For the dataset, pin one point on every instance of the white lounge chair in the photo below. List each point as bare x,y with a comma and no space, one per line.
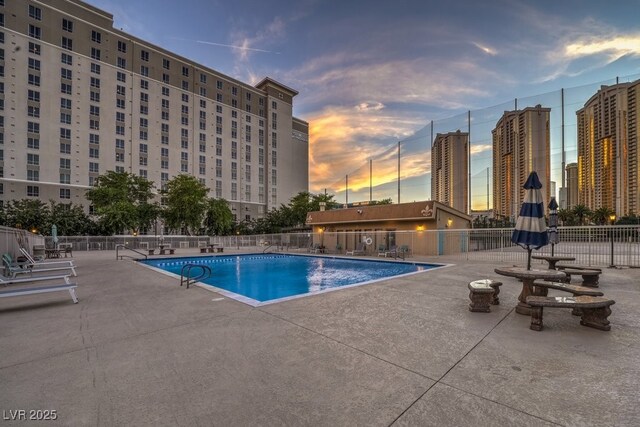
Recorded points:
35,262
359,250
71,287
14,269
9,281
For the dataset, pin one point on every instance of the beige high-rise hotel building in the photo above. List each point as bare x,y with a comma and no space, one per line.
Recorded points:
520,145
450,170
80,98
608,157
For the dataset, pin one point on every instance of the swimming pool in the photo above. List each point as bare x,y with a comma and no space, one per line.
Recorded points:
260,278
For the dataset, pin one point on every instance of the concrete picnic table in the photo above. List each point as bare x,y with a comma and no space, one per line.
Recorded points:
553,259
528,277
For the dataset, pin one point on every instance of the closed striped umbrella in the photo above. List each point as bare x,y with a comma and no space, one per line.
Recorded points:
531,229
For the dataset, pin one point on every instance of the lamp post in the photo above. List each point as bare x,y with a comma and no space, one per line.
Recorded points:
238,239
612,218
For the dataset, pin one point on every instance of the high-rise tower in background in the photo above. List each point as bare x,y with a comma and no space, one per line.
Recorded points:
572,185
450,170
82,98
520,145
608,149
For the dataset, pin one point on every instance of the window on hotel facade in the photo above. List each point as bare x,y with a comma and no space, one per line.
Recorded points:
122,46
33,191
166,64
35,32
122,63
34,64
65,193
185,71
95,68
35,12
33,111
95,54
67,25
144,55
34,48
96,37
67,43
33,143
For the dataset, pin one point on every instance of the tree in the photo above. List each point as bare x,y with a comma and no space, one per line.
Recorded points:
70,219
28,214
566,216
581,212
186,203
218,218
387,201
122,202
601,215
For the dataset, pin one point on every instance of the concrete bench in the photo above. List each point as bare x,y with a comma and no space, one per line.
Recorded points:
542,287
482,294
70,287
589,277
561,266
576,290
594,310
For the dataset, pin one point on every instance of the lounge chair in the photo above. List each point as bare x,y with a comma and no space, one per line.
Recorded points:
14,269
9,281
71,287
33,261
359,250
382,251
392,252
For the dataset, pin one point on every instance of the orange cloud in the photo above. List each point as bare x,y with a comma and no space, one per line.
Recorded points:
343,140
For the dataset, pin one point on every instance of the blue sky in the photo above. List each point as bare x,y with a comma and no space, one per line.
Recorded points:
372,73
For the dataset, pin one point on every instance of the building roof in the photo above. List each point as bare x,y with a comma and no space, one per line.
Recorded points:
426,210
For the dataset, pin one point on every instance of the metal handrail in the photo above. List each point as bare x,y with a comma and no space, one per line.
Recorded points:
120,246
271,245
206,271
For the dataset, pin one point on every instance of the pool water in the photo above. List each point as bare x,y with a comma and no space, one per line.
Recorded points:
260,278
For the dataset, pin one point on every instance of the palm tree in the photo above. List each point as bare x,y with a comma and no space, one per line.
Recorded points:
581,212
601,215
566,216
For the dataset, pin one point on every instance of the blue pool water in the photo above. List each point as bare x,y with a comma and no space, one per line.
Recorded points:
268,277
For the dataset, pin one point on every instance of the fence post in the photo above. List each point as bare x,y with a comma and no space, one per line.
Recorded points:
589,246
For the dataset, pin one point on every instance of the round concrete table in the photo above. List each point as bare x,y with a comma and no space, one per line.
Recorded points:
552,260
528,277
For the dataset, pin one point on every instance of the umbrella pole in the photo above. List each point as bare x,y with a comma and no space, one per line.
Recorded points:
552,246
529,259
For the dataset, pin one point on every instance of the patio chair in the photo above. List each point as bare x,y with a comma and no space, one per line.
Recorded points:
13,269
382,251
35,262
359,250
392,252
6,281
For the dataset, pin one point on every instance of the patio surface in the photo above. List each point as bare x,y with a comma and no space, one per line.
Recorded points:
140,350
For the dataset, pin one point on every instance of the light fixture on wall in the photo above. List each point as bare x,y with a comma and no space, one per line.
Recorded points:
449,222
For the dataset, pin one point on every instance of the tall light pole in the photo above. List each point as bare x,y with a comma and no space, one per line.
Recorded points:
612,218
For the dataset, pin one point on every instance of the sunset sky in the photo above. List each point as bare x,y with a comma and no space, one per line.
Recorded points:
372,73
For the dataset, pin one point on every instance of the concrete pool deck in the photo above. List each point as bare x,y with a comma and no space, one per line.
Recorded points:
140,350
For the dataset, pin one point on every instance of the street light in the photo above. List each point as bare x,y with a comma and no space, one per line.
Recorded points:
612,218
